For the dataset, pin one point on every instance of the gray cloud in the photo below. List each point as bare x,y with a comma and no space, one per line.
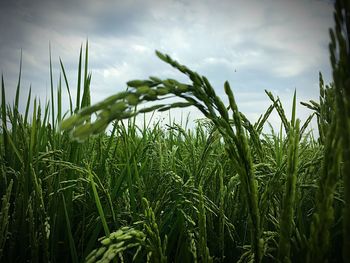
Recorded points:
256,45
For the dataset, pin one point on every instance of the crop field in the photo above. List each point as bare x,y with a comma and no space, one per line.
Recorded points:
224,191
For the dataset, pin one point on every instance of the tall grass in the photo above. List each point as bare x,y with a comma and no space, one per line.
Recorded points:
224,191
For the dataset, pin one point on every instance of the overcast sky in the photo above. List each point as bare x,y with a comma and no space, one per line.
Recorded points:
255,45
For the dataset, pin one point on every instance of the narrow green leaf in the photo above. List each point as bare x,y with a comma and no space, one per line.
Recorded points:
28,105
15,108
13,146
67,86
52,94
4,118
294,108
98,204
77,107
73,250
59,101
33,133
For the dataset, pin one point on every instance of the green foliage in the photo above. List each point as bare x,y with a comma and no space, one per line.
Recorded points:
201,95
224,191
340,61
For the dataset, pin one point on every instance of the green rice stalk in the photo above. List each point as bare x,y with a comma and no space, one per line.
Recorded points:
153,237
87,79
4,217
4,120
263,118
306,124
254,137
278,106
247,178
98,204
59,100
287,221
77,106
222,195
13,147
33,133
27,106
204,255
210,106
33,241
73,251
324,110
52,95
67,86
15,108
119,241
340,60
320,232
193,248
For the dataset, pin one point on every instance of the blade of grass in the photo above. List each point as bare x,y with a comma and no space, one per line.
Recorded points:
15,108
27,105
87,78
4,119
52,95
73,250
67,86
98,204
286,221
13,146
59,101
77,106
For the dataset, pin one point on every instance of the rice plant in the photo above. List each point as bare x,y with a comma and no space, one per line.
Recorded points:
223,191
